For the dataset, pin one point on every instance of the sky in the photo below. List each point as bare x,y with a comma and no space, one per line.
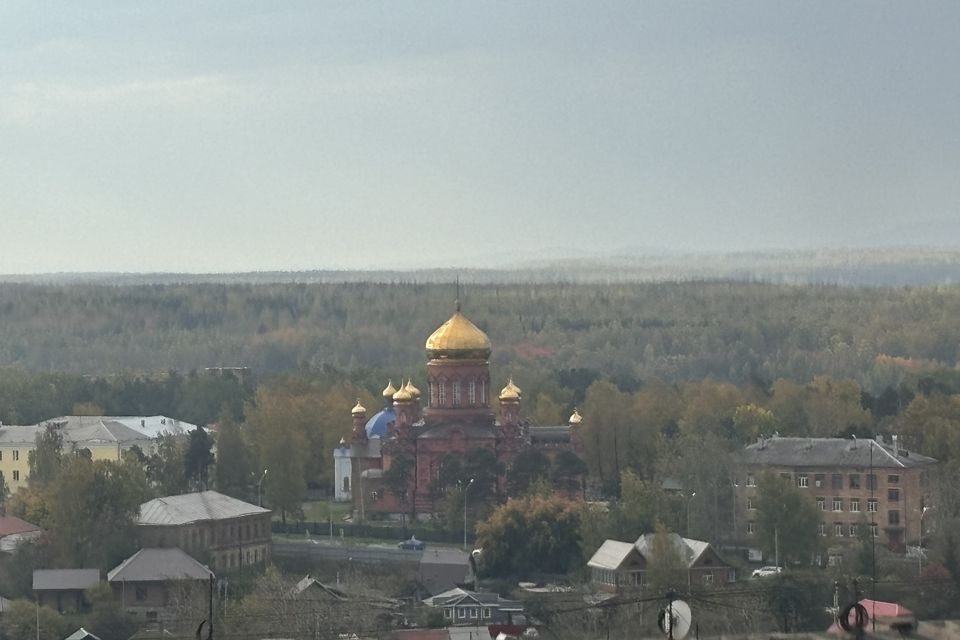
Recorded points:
186,136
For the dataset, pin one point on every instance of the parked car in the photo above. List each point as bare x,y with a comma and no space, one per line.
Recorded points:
763,572
412,544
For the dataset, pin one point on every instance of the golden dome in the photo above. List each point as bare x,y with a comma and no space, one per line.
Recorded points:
576,418
359,409
510,392
458,336
403,395
390,390
412,389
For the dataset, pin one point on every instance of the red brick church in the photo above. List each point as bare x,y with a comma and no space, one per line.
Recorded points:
454,418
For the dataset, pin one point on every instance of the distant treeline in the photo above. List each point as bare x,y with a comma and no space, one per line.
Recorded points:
628,332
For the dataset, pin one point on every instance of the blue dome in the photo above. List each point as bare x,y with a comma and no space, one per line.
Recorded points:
377,424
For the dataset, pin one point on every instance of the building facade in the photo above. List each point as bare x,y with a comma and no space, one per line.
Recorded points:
856,484
225,533
153,583
455,416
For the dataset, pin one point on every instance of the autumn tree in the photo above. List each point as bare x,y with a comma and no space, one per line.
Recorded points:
529,466
25,620
234,469
786,521
667,566
45,458
166,467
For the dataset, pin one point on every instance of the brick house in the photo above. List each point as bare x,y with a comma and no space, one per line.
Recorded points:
618,566
223,532
855,483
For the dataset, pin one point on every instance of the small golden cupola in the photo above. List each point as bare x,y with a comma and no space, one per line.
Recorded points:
575,417
389,390
458,339
359,409
510,392
403,395
412,389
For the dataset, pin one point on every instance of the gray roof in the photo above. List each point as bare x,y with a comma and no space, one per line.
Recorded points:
612,553
549,434
81,634
829,452
19,434
148,426
194,507
65,579
158,565
442,569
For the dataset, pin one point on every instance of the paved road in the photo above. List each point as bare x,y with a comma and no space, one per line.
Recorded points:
323,550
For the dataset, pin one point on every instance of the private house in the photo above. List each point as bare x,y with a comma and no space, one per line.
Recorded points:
62,589
14,532
856,483
618,566
150,583
226,533
462,607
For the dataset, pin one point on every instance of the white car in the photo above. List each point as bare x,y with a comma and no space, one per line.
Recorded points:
763,572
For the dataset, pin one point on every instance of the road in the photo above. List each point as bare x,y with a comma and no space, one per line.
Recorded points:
316,549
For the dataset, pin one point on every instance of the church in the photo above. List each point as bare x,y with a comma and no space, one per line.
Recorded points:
455,418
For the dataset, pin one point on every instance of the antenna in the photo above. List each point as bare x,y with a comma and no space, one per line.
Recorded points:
458,292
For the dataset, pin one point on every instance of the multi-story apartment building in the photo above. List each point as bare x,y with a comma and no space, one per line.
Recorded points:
225,533
16,443
854,482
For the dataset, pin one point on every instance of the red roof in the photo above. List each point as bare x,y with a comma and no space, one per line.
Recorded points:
880,609
420,634
10,525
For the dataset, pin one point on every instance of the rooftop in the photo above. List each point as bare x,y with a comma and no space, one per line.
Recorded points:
159,565
830,452
65,579
194,507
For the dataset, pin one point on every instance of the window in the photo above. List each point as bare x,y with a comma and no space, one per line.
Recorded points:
893,495
483,392
750,505
448,613
836,481
874,529
821,503
893,518
346,483
456,397
16,474
802,480
750,528
708,578
442,387
151,616
461,612
838,504
871,482
818,479
853,529
838,529
872,505
16,454
751,480
433,399
140,593
472,393
855,505
473,610
731,575
854,480
822,528
894,479
487,613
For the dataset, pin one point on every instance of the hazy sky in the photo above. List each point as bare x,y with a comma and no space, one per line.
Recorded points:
224,136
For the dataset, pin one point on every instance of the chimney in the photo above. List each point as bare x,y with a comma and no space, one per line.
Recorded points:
896,445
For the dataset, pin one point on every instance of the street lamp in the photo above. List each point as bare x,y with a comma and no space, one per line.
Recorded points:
920,545
692,496
465,489
260,489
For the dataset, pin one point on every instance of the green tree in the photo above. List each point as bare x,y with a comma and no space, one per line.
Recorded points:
635,512
531,535
398,478
786,521
529,466
20,622
45,458
234,469
796,601
568,472
166,468
198,457
666,568
106,619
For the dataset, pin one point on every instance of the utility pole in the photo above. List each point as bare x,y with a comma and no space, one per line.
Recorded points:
776,545
465,489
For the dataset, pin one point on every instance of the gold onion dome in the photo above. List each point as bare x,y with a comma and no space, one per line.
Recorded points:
390,390
403,395
359,409
458,337
576,418
510,392
412,389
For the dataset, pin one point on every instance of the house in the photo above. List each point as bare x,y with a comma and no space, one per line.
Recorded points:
856,483
81,634
149,583
224,532
620,565
14,532
311,588
62,589
442,569
462,607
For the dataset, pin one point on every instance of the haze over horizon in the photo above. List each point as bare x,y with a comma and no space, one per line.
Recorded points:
235,136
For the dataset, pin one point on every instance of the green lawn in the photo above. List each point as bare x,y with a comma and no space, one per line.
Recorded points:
320,511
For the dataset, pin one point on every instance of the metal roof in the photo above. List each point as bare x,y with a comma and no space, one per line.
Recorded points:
65,579
194,507
149,426
610,555
10,525
550,434
830,452
158,565
19,434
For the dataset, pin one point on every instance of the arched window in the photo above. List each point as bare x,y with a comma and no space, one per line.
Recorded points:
472,393
456,393
433,394
442,393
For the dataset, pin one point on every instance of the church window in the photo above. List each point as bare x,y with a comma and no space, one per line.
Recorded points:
483,392
442,393
433,394
456,394
472,393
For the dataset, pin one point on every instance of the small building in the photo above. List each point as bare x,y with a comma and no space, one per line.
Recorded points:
63,589
149,583
14,532
620,565
462,607
221,531
81,634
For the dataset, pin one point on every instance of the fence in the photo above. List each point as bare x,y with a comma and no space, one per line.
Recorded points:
391,532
